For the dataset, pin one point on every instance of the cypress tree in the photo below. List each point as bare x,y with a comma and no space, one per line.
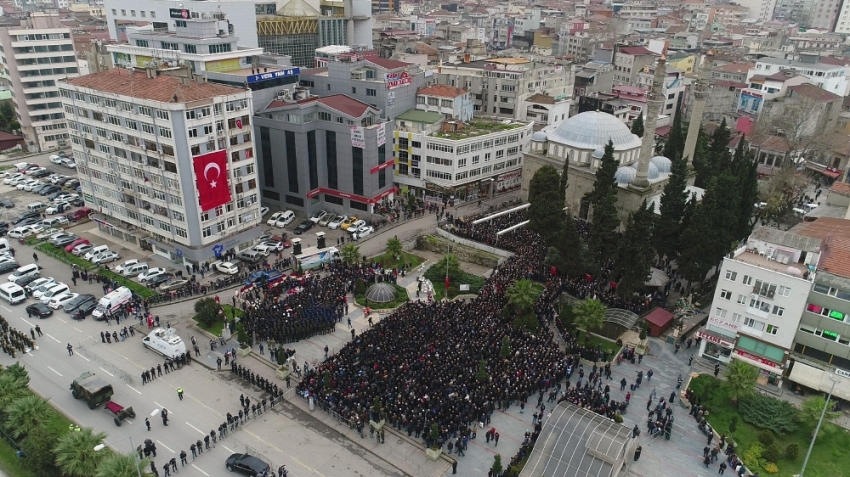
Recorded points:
675,145
673,201
604,235
637,126
635,252
546,203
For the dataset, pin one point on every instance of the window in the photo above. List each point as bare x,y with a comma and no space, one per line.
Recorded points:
720,312
784,291
730,275
142,43
220,48
760,305
330,159
291,162
737,317
748,280
357,205
726,294
190,48
357,170
754,324
324,116
772,329
371,92
353,90
778,310
312,161
742,299
268,164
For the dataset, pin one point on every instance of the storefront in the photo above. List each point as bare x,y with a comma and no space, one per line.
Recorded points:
770,372
715,346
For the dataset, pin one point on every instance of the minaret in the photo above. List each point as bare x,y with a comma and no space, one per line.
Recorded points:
700,97
653,107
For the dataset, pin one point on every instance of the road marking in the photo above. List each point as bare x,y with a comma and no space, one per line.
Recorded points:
163,445
22,318
107,372
199,470
60,319
163,407
77,329
195,428
57,372
81,356
129,421
228,449
4,307
262,440
305,466
54,339
134,389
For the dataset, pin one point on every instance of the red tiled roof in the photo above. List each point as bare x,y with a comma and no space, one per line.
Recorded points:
831,60
823,227
813,92
7,136
635,50
841,188
387,63
835,255
338,102
442,90
162,88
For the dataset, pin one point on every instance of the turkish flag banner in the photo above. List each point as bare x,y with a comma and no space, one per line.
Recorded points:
448,283
211,179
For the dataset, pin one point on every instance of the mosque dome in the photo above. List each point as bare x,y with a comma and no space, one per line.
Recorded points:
625,175
593,129
598,153
539,136
662,163
651,171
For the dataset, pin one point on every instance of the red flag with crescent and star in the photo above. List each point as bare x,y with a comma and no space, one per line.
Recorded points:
211,179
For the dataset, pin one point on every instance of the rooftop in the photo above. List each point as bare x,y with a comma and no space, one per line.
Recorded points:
417,116
823,227
162,88
479,127
835,258
636,50
770,263
386,63
840,188
813,92
541,99
442,90
338,102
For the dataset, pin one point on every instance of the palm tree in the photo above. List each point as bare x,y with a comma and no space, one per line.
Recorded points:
27,413
741,379
589,314
75,454
810,412
121,465
449,262
394,248
350,254
12,388
521,295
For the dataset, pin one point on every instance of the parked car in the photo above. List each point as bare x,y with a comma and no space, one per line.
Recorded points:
246,464
159,280
62,236
327,219
106,257
39,309
354,226
264,211
28,184
8,266
79,241
65,240
337,222
152,272
72,305
63,197
124,265
303,227
37,290
348,222
363,232
226,268
318,216
79,214
47,233
61,300
58,208
40,173
285,219
56,159
7,203
269,246
68,162
12,177
21,232
173,284
81,249
35,169
86,308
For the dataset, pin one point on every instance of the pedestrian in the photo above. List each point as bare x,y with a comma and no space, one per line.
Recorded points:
35,257
180,393
183,458
691,360
496,438
705,451
164,415
194,451
706,461
32,333
218,361
722,468
148,423
70,350
38,330
623,383
716,370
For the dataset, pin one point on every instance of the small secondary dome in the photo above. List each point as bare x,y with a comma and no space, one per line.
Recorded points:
625,175
539,136
380,293
651,171
662,163
598,153
593,129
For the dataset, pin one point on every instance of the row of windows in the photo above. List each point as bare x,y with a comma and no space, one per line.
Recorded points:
831,291
825,334
142,13
827,312
760,287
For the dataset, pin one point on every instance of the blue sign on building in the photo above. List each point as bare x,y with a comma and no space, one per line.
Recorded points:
285,73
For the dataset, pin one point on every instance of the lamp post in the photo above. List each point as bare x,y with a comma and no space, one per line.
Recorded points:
132,448
817,428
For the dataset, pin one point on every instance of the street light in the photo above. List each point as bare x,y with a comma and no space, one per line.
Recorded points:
817,428
100,447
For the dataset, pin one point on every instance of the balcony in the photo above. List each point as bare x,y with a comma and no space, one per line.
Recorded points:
796,270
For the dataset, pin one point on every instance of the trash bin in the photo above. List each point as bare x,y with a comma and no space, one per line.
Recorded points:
312,402
637,452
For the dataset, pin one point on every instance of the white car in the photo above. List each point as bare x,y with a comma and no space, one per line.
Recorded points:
56,159
273,219
264,211
269,246
18,180
13,177
106,257
23,185
60,300
55,290
58,208
261,250
337,222
363,232
65,198
82,249
317,216
59,237
56,178
124,265
32,171
152,272
47,233
227,268
44,282
356,225
21,232
69,162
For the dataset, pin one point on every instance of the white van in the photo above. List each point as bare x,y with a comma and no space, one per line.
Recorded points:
96,251
112,301
21,166
12,293
134,269
4,245
55,290
36,207
25,271
165,342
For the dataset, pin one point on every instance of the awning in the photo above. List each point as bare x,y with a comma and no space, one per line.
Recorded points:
821,380
761,364
806,375
102,222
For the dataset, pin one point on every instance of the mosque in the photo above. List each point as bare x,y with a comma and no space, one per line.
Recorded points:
581,140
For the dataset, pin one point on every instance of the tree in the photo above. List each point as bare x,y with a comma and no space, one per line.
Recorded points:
39,455
589,314
604,175
497,464
636,254
122,465
206,311
741,379
714,158
802,122
571,248
811,410
745,169
546,203
565,178
350,254
394,248
505,349
675,145
75,454
12,387
521,295
604,235
242,336
27,414
667,232
637,126
449,262
482,375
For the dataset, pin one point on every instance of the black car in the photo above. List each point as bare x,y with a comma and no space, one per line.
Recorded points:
49,189
29,221
304,226
73,183
159,280
40,173
65,241
40,310
26,215
85,309
78,202
74,304
246,465
56,194
7,203
26,280
8,266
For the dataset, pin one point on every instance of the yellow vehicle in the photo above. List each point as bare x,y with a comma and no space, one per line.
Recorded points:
347,223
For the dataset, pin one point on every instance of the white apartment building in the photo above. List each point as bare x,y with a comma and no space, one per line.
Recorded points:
441,159
136,137
760,296
36,55
828,76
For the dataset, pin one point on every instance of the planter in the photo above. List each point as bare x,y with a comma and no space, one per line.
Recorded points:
377,425
433,454
242,352
283,372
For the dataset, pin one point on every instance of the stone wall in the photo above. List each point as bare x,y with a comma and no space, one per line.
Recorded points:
462,252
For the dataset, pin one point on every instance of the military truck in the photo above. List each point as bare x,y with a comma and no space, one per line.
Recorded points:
92,389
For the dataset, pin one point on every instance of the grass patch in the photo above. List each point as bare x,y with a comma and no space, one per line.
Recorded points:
437,276
136,288
216,328
828,455
63,256
598,343
401,298
388,261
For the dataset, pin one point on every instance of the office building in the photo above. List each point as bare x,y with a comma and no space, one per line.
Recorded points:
38,52
323,153
166,162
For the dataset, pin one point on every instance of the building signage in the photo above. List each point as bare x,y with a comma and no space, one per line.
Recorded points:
284,73
715,340
382,135
508,181
382,166
345,195
179,13
757,359
723,323
358,139
842,372
400,78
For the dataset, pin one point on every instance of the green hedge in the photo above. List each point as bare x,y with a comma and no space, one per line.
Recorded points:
136,288
69,258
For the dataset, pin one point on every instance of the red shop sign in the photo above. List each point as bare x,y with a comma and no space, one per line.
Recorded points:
758,359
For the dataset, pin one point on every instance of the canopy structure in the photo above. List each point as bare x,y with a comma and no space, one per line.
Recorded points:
657,278
381,293
619,316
